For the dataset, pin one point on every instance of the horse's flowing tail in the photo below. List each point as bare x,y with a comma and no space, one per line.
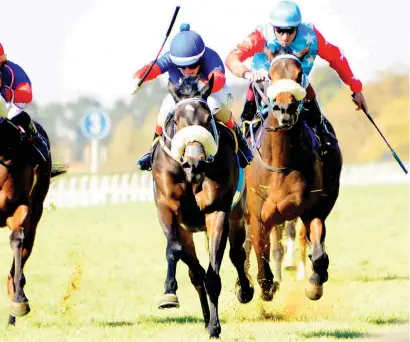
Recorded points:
58,169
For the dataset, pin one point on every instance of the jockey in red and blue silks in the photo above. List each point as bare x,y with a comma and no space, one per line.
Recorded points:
286,30
16,93
188,56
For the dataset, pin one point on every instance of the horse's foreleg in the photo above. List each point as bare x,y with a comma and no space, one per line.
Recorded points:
277,248
217,225
289,258
196,271
261,244
320,262
237,254
169,222
19,305
248,250
302,251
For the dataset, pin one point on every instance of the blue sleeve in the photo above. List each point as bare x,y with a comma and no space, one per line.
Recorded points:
20,76
164,62
212,62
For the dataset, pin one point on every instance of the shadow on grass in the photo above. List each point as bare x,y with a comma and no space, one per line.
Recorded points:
114,324
272,316
338,334
104,324
386,321
389,277
188,319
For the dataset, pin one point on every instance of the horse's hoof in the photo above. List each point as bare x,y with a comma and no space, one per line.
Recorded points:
245,296
12,321
168,301
314,292
289,267
267,296
214,332
19,309
289,264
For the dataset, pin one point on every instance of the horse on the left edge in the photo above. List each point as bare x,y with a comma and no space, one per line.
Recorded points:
24,183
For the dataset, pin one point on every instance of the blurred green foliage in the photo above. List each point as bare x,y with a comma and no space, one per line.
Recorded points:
133,122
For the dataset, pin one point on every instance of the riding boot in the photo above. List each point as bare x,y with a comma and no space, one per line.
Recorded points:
145,162
39,142
248,113
316,120
249,110
245,155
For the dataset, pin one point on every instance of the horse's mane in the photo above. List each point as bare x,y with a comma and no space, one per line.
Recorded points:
188,86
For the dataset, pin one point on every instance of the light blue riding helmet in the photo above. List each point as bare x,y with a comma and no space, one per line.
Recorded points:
187,47
285,14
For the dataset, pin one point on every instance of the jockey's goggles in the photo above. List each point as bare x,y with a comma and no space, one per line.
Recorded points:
282,31
191,67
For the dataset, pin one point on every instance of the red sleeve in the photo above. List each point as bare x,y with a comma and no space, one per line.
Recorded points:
338,62
22,93
219,80
254,43
154,73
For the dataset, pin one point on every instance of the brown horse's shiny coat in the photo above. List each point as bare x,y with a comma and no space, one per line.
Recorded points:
23,189
197,196
294,189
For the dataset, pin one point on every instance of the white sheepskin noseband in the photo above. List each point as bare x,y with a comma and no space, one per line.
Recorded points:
189,134
286,86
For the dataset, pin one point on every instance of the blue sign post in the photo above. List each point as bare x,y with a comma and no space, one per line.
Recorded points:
95,125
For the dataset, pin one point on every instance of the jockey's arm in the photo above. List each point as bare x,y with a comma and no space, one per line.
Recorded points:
213,65
338,62
21,94
254,43
219,80
160,66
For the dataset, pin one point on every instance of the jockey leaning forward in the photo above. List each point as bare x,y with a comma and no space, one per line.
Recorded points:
188,56
287,31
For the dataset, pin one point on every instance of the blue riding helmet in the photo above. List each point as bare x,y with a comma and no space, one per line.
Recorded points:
285,14
187,47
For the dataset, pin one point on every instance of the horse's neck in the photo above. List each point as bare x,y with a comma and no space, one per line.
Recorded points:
280,148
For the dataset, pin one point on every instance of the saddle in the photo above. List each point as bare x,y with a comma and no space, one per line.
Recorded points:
15,137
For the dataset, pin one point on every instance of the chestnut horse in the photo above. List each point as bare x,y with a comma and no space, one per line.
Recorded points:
290,256
195,177
286,179
23,187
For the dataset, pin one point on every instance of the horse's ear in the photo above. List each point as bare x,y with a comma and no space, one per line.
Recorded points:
302,53
207,88
173,91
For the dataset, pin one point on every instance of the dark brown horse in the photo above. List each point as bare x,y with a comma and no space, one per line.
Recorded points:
23,187
286,179
195,178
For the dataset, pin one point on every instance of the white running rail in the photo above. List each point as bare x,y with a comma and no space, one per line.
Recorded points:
95,190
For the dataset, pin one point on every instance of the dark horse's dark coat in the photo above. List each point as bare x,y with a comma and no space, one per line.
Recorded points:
196,195
23,188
